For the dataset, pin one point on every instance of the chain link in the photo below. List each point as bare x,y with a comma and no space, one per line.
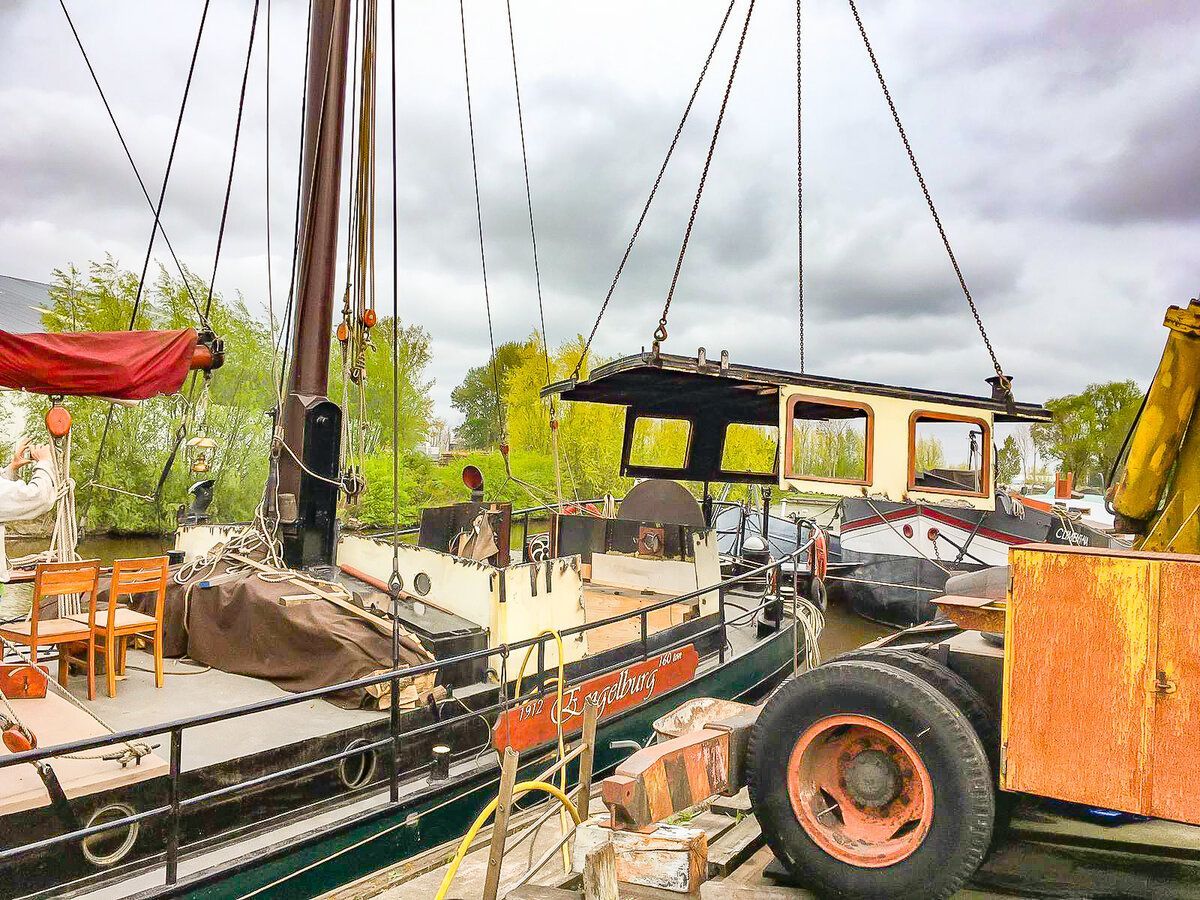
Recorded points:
1005,381
660,333
653,191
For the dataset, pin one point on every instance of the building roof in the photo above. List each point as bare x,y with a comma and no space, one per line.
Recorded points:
20,301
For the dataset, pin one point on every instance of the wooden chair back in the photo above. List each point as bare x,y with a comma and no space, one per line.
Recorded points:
64,580
132,577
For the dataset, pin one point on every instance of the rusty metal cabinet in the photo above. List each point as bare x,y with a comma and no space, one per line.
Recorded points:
1101,678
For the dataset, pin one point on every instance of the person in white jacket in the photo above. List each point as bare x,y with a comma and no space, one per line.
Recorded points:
20,499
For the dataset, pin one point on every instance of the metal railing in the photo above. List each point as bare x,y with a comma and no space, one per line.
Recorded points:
176,804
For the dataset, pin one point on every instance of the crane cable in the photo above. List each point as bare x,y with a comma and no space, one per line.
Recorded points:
1004,381
653,191
537,273
800,179
660,333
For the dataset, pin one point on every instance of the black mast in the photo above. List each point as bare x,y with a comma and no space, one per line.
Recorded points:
308,492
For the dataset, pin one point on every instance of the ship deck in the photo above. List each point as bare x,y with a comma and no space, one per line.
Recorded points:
140,704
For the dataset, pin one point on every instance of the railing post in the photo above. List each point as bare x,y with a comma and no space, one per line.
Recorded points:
741,530
721,610
541,676
394,727
645,635
176,756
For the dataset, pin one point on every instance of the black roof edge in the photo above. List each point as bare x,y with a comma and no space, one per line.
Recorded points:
1023,412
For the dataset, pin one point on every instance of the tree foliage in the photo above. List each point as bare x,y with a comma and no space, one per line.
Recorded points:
1088,428
1009,461
475,397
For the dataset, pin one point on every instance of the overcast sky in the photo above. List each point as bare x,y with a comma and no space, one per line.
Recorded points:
1057,136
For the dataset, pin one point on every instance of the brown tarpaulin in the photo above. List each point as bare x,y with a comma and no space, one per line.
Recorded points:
241,625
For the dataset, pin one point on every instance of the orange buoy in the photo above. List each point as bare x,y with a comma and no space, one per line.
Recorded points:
58,421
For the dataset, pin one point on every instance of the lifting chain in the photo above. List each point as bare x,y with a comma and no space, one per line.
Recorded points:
660,333
1004,382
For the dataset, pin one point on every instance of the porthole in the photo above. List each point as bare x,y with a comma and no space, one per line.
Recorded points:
422,584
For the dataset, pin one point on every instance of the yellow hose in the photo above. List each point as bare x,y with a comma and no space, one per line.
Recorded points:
523,788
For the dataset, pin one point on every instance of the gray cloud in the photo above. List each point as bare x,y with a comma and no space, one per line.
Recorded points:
1055,137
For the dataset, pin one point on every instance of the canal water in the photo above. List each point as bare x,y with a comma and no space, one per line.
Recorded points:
843,629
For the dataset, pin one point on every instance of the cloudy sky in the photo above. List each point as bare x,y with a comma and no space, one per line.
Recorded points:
1058,137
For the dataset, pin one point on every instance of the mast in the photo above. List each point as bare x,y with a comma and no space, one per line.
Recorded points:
311,422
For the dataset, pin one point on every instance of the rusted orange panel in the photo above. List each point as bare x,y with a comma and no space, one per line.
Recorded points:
1077,662
1175,769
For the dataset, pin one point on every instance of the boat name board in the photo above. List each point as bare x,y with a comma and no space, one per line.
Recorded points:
535,721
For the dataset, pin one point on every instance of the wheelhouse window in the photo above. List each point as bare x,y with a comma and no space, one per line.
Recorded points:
749,449
829,440
949,454
660,443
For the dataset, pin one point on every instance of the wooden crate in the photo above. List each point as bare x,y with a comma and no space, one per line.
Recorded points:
1101,678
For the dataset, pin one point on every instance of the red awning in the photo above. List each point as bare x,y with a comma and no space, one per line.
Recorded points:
124,365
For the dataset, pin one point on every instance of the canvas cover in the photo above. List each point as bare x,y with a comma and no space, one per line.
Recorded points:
123,365
242,624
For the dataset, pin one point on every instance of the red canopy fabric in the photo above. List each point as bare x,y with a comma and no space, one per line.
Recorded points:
124,365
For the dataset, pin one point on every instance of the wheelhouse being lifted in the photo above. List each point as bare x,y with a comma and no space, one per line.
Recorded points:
912,472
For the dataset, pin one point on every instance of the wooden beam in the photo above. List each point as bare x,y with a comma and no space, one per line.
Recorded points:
508,777
600,874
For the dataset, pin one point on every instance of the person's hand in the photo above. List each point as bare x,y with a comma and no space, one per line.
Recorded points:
21,457
40,453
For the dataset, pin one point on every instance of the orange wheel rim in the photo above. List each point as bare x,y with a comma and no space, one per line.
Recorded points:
860,790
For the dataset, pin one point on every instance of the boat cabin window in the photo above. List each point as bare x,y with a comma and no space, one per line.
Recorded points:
660,443
949,454
829,440
750,449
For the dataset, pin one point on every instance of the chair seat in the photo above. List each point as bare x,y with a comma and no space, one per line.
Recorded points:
59,629
125,618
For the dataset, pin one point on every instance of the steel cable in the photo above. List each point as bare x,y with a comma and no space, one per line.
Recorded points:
660,333
653,190
1005,381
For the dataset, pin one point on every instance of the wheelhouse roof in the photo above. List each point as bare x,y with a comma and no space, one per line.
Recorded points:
679,385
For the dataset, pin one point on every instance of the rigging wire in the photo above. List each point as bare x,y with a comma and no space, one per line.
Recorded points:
285,324
537,273
267,192
487,302
154,229
653,191
128,153
800,178
394,584
237,133
660,333
1004,380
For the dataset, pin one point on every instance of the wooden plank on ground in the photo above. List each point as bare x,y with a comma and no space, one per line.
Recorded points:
732,806
734,847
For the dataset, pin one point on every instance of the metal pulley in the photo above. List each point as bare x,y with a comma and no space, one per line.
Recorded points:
353,483
58,418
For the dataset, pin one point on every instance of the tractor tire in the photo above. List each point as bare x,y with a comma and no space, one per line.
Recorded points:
964,697
870,785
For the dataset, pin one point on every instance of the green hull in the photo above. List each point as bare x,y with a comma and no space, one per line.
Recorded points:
424,819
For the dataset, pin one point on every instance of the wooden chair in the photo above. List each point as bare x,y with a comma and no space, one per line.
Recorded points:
60,580
114,626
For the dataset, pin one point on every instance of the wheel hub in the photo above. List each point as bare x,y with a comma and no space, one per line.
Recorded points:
873,778
860,790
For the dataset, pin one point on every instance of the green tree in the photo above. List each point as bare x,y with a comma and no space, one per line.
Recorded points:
1088,428
475,397
143,444
1008,461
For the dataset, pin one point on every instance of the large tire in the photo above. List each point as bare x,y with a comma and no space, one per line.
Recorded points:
869,784
952,685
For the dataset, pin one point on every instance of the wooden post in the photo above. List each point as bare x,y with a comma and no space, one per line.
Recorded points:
600,874
583,798
508,777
